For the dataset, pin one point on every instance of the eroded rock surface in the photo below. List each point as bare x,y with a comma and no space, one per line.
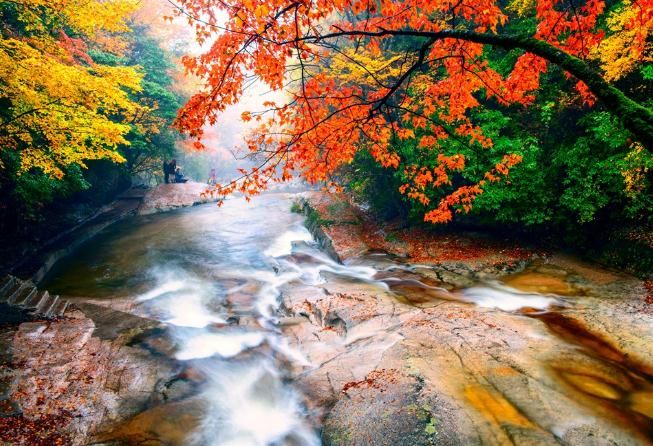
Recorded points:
406,367
166,197
426,353
70,378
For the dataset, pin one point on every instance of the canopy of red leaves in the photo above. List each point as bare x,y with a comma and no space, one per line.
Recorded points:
289,45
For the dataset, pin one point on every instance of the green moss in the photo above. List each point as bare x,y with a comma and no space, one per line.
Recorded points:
336,208
431,428
424,414
314,219
337,436
391,238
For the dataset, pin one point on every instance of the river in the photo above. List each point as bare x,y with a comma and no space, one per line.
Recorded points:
215,277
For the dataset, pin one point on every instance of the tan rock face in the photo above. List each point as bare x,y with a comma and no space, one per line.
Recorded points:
165,197
390,368
74,383
169,424
406,360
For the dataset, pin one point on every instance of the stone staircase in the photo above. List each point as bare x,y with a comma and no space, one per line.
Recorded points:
24,295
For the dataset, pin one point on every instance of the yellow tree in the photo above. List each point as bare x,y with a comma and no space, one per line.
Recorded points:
59,107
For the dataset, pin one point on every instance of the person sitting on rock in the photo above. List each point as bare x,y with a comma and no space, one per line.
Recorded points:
179,177
170,169
212,181
172,166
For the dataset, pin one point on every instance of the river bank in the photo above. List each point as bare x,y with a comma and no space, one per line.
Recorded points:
34,259
67,376
224,325
146,302
460,349
63,379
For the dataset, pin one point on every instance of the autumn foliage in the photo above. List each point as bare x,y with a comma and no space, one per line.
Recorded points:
363,75
89,90
61,103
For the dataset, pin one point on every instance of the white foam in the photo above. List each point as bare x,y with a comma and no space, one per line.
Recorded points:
188,310
224,344
280,345
181,302
507,299
168,287
282,245
311,273
253,407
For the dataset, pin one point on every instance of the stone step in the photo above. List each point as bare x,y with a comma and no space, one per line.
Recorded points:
43,302
46,303
12,291
60,308
6,283
25,294
33,301
47,311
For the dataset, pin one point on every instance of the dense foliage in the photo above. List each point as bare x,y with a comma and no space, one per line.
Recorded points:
87,103
447,99
529,114
580,169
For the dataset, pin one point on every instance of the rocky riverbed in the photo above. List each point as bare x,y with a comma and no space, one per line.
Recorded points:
457,351
207,326
65,379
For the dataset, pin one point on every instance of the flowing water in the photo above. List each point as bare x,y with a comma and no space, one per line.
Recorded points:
214,276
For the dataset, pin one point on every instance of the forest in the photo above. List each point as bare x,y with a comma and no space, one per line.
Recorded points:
88,98
525,116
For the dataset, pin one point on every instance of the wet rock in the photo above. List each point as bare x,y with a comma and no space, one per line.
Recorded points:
166,197
592,386
111,324
487,370
381,410
63,369
177,388
642,402
408,366
167,424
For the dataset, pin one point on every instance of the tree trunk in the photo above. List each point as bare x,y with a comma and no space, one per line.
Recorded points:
636,118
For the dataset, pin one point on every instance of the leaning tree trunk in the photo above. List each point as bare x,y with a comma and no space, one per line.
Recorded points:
636,118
